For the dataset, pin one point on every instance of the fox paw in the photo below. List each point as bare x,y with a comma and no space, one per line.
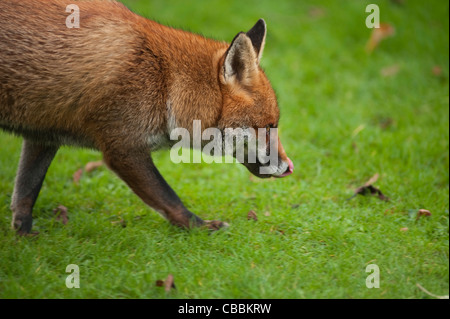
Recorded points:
22,225
215,224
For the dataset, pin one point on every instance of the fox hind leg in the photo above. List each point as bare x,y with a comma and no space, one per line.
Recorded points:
33,165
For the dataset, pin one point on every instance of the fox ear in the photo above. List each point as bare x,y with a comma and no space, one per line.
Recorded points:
241,60
243,56
258,36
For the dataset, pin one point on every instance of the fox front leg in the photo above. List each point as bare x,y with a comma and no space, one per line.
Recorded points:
137,169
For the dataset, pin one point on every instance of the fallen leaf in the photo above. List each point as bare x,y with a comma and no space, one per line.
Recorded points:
430,294
390,70
355,147
372,190
372,180
90,166
316,12
385,122
369,189
423,212
77,176
61,214
120,222
169,284
437,70
378,34
252,215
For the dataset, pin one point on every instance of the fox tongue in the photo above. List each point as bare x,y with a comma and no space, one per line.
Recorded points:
291,165
290,169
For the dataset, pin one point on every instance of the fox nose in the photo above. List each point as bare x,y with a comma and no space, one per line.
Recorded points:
290,168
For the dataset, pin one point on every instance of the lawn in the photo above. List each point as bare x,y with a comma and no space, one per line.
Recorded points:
345,116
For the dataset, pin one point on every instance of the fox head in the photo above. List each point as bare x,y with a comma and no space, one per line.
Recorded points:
249,103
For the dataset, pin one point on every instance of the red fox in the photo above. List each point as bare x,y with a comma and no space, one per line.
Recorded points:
119,83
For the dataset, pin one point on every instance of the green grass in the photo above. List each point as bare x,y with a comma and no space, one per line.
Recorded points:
342,122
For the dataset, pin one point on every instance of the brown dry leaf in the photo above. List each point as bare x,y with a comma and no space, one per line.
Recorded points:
390,70
372,190
169,284
120,222
423,212
252,215
355,147
77,176
369,189
385,122
378,34
372,180
316,12
90,166
61,214
437,70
